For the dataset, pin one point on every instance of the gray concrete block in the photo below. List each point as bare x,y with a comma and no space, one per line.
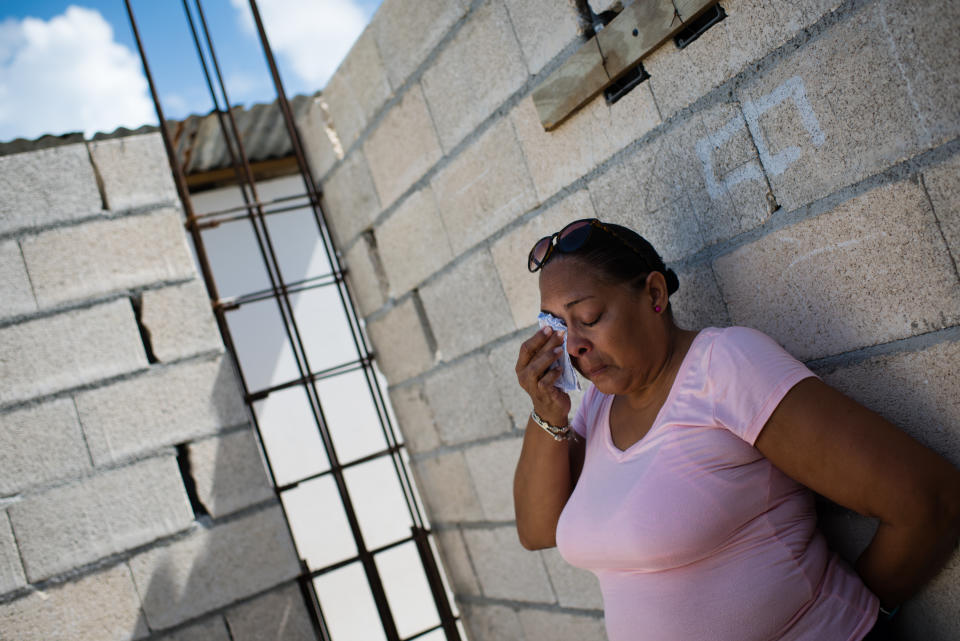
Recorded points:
102,606
11,568
406,31
503,363
211,629
698,303
590,136
484,188
320,141
932,613
400,341
47,186
816,131
445,486
540,625
15,289
76,524
917,391
134,170
160,408
40,443
413,242
357,89
505,569
365,276
943,186
575,588
229,472
492,622
456,562
474,74
54,353
492,466
350,200
415,418
214,567
180,321
280,615
872,270
107,256
510,252
543,29
402,147
466,306
465,401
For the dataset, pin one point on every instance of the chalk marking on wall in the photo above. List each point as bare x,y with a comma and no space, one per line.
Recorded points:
834,248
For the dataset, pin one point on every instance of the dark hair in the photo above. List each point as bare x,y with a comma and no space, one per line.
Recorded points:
622,256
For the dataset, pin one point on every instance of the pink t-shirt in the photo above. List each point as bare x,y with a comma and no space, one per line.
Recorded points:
692,533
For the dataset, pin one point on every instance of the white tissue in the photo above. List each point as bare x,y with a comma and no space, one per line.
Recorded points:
568,380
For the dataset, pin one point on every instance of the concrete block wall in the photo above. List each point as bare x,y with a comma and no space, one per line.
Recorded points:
798,165
115,395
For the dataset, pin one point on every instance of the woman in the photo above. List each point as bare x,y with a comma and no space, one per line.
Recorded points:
682,481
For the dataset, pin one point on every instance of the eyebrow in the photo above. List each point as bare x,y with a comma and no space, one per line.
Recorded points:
579,300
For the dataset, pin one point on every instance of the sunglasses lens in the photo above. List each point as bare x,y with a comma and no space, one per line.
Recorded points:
538,253
573,236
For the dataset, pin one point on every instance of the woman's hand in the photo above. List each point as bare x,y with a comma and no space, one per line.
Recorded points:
536,356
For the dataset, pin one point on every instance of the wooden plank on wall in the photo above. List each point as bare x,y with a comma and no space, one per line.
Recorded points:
627,39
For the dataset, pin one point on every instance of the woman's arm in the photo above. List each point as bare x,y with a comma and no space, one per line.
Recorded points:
857,459
546,471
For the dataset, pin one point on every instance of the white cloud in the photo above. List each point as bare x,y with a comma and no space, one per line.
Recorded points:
311,36
68,74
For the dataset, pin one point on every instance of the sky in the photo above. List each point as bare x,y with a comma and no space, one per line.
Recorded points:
74,66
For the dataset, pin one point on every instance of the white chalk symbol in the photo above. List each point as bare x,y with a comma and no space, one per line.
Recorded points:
775,164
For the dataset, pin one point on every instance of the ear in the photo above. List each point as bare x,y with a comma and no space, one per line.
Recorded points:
656,292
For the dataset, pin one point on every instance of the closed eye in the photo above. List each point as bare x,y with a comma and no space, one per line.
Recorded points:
593,322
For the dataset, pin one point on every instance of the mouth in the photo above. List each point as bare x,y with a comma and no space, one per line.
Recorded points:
590,371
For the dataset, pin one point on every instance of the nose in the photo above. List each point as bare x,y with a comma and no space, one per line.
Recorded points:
577,345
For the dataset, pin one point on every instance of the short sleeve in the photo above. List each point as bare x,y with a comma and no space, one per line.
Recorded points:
750,374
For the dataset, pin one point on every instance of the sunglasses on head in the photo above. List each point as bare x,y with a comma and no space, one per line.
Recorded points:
569,239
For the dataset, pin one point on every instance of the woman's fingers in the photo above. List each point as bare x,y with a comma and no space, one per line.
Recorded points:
531,366
532,346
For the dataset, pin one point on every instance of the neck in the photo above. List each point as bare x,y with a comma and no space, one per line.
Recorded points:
676,342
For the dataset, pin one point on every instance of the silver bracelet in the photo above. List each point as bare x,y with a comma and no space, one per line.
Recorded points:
558,433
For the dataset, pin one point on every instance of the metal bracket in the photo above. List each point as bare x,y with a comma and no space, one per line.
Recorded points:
698,27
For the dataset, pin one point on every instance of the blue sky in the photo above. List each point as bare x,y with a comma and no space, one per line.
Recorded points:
73,66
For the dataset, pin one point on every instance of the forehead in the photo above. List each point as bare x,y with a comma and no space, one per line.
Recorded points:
568,279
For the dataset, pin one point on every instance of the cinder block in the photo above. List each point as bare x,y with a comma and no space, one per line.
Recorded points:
15,289
40,443
134,170
402,147
241,558
503,364
917,391
102,606
465,401
541,625
445,486
492,622
575,588
318,136
932,613
753,29
873,270
817,131
11,569
47,186
160,408
543,29
559,157
416,421
510,253
357,89
107,256
413,242
505,569
456,562
211,629
943,185
466,306
365,276
76,524
179,321
229,472
484,188
492,466
57,352
401,344
698,303
474,74
280,615
349,197
406,31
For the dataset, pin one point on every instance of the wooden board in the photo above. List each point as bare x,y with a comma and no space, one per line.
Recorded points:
614,50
